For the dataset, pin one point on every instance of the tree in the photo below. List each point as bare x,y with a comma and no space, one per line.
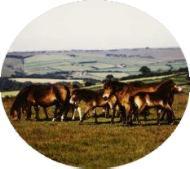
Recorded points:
88,83
109,78
145,70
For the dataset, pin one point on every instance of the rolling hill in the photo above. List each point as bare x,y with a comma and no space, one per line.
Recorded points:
95,64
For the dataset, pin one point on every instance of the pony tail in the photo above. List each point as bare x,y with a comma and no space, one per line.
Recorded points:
68,94
13,108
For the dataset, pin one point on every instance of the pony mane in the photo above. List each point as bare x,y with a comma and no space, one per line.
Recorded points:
165,86
116,85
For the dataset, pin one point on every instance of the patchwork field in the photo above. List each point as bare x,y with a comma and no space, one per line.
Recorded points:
99,145
94,64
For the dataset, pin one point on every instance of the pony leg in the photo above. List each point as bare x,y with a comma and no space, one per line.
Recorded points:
139,111
137,117
171,117
123,115
64,111
55,112
128,114
80,113
145,114
28,113
61,114
159,111
113,115
112,107
170,114
84,115
163,114
95,116
45,111
120,116
74,113
37,112
129,110
106,110
117,111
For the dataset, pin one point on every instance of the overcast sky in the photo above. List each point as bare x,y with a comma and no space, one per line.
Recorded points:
93,25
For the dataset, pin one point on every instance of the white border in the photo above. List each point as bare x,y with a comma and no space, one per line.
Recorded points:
15,15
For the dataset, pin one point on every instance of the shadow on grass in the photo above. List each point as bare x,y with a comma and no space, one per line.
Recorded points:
148,122
154,123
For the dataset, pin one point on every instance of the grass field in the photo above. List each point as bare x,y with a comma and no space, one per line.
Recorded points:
99,145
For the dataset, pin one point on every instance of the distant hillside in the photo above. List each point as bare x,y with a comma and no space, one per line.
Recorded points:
95,64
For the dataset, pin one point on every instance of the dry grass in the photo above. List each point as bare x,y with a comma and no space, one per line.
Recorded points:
93,146
96,145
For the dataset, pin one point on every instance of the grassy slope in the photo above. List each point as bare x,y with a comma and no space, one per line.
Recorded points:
93,146
97,146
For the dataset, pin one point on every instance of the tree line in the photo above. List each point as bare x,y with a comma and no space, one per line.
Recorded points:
10,85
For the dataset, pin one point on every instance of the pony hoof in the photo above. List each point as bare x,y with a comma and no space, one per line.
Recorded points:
124,124
129,124
28,119
62,119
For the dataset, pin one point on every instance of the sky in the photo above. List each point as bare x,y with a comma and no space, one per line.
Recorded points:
93,25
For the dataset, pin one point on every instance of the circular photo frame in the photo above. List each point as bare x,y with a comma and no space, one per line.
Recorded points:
95,84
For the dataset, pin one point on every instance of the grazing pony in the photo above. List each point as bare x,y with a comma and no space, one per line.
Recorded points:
44,95
92,99
19,105
124,93
162,98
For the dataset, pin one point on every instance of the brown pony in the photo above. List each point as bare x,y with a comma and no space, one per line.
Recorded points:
124,93
19,105
162,98
92,99
44,95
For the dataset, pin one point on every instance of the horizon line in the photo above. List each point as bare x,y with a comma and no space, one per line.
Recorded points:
81,49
